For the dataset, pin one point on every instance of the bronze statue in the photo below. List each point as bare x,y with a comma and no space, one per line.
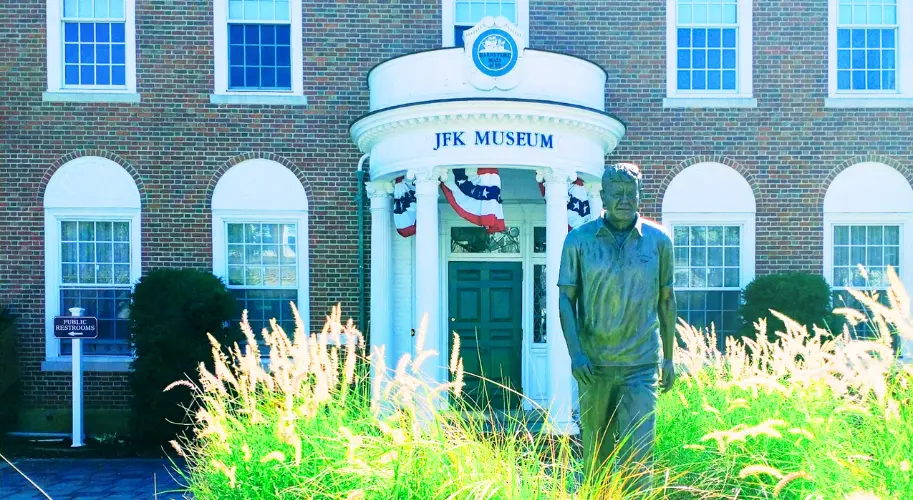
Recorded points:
618,314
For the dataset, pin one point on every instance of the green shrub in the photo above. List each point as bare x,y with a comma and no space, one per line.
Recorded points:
172,310
10,391
803,297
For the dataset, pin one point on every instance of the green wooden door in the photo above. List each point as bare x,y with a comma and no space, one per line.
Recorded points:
485,311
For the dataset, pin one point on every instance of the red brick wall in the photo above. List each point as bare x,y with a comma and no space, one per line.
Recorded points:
177,144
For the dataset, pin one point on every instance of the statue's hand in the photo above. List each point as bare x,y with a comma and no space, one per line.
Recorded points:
582,368
668,374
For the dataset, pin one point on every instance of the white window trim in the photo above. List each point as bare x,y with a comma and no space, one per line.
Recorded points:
746,220
57,92
54,361
744,98
904,220
448,19
220,220
221,94
903,97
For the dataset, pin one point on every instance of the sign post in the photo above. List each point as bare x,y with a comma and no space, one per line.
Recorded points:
76,327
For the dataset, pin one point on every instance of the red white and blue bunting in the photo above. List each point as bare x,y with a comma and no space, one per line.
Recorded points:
404,206
578,204
475,194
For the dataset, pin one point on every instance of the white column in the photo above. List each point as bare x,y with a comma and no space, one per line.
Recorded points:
427,272
594,192
381,330
559,361
79,434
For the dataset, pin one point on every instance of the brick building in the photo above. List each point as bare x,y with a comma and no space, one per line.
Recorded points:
226,135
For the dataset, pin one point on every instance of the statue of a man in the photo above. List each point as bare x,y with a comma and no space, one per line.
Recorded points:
618,314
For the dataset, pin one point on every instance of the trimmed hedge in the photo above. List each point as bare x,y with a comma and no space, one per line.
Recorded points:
10,389
804,297
172,310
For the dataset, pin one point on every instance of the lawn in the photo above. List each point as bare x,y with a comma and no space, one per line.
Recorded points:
809,416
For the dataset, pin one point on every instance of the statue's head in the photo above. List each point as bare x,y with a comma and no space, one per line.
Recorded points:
621,185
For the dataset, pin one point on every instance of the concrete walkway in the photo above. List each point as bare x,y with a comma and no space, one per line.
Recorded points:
95,479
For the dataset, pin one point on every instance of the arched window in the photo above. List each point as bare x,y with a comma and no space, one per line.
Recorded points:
868,219
709,209
92,255
260,241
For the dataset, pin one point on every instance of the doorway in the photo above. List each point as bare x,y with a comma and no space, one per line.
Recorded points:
485,312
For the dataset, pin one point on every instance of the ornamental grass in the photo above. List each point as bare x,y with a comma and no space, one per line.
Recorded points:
809,415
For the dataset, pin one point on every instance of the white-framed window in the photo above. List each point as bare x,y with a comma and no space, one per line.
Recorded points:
91,50
868,219
875,246
714,261
709,209
260,243
709,53
258,51
92,258
460,15
868,40
262,265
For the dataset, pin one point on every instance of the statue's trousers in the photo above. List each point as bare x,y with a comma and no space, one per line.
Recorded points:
619,407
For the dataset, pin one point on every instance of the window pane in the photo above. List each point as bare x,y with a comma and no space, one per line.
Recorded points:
121,274
85,9
235,275
477,240
715,256
701,252
68,231
684,14
539,309
110,305
681,235
263,305
104,252
101,9
70,8
117,9
259,57
873,246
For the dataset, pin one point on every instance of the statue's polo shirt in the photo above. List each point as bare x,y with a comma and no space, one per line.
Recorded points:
618,290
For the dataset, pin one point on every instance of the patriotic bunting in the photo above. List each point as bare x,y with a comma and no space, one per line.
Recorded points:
578,204
404,205
476,196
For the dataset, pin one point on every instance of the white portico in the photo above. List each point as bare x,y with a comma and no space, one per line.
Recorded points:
505,118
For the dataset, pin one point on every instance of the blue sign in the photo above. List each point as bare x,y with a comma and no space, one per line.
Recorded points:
517,138
75,327
495,52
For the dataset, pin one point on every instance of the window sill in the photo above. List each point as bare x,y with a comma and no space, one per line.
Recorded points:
868,102
267,99
710,102
107,364
82,96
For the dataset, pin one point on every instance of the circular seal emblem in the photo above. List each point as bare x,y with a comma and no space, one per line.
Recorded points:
495,52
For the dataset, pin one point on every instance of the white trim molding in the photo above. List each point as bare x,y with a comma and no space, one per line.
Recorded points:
714,194
58,91
221,93
742,96
262,191
448,21
870,193
902,96
87,188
